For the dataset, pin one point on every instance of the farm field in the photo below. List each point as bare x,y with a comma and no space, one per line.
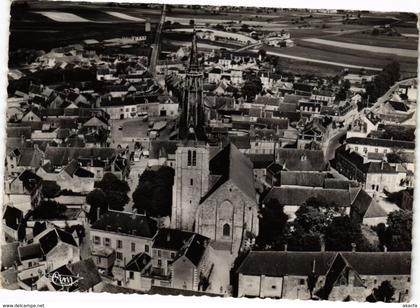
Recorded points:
412,53
379,40
359,58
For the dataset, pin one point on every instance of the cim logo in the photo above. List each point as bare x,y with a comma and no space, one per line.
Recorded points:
64,280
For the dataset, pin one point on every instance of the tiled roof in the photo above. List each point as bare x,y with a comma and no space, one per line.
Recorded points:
382,142
285,263
126,223
138,263
233,166
301,160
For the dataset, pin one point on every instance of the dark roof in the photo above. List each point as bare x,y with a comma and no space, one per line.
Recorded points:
297,195
284,263
379,263
171,239
162,148
87,270
13,217
399,106
30,251
138,263
9,254
357,161
183,292
302,87
261,161
241,142
232,166
301,160
274,123
64,271
18,132
62,156
196,248
302,178
29,179
382,142
49,240
126,223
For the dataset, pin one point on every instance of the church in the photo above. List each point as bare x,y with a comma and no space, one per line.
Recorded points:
213,193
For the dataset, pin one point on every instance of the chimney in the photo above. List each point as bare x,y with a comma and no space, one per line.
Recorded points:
353,247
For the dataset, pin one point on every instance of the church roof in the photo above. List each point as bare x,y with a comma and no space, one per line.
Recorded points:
232,166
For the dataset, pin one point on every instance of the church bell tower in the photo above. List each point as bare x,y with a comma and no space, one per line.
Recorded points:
192,155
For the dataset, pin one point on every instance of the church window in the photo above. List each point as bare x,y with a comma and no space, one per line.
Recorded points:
194,158
226,230
189,158
191,182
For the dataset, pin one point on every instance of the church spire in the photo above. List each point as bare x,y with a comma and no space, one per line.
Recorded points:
192,119
194,52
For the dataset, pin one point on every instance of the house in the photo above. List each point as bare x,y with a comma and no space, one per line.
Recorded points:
85,271
374,176
95,160
13,224
291,197
192,264
104,258
365,210
365,146
301,160
58,247
72,177
128,234
326,97
23,191
30,255
363,125
339,275
162,152
135,271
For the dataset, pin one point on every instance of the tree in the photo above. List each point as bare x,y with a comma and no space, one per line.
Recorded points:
341,233
115,190
49,210
252,87
97,200
50,189
400,224
154,192
274,229
110,182
308,226
383,293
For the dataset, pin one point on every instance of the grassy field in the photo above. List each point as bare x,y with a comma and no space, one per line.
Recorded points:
378,40
346,56
408,65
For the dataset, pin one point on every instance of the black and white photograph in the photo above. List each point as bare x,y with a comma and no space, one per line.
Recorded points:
211,151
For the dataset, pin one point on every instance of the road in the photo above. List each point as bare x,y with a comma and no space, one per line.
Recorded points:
333,144
156,44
